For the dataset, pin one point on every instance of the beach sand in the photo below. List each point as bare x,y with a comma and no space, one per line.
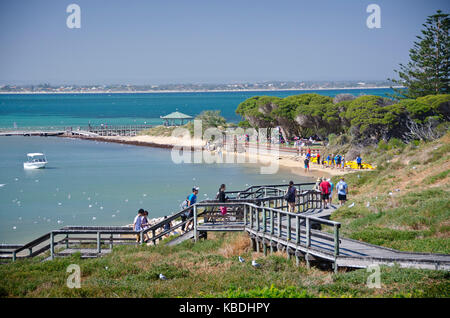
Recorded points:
291,162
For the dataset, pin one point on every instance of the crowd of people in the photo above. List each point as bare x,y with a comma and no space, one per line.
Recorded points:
326,187
333,161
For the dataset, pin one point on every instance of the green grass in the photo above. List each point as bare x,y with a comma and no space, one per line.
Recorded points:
207,269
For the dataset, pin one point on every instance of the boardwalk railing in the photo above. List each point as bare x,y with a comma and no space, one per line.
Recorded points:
69,236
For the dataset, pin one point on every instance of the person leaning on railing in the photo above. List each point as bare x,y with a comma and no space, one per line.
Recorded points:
291,194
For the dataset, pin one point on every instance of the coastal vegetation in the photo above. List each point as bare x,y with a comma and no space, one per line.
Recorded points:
405,203
365,119
209,268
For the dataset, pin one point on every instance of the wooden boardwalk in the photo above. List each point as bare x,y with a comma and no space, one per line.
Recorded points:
258,210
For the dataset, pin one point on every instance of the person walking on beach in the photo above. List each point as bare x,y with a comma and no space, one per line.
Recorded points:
191,201
291,194
137,224
325,191
328,160
359,162
342,189
318,158
306,164
221,197
343,163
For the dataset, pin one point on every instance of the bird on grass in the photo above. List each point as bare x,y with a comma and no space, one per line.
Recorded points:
254,264
162,277
241,259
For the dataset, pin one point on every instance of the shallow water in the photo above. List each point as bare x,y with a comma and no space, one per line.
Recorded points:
94,183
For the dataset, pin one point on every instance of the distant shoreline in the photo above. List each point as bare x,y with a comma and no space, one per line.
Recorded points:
199,91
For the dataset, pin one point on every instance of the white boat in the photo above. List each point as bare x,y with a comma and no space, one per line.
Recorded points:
35,161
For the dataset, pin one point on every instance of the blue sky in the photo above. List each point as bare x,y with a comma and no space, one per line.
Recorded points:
164,41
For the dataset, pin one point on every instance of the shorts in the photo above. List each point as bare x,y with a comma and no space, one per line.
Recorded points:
191,213
325,196
342,197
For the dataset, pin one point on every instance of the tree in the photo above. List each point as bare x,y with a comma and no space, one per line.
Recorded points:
427,72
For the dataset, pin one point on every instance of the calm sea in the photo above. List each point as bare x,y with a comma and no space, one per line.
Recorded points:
89,183
46,110
92,183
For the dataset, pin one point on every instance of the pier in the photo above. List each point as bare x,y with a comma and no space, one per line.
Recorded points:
261,212
84,131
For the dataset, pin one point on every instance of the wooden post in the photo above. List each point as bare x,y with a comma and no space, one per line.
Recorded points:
265,248
257,219
141,237
288,227
336,246
264,219
14,256
271,222
245,215
67,240
308,232
297,229
52,246
279,224
111,241
99,247
251,216
195,224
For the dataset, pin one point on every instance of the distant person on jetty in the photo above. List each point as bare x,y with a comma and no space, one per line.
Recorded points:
191,201
221,197
359,162
291,194
342,189
325,191
137,224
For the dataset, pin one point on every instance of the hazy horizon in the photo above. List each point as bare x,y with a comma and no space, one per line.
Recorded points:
206,42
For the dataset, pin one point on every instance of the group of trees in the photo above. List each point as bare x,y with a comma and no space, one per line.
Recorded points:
367,119
418,110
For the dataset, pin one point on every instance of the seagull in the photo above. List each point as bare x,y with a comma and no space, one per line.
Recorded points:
352,205
241,259
254,264
162,277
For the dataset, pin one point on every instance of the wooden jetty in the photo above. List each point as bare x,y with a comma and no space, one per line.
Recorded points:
83,131
260,211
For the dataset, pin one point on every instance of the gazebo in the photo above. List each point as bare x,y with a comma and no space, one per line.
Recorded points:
169,120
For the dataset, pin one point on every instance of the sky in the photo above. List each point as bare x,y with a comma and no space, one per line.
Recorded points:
194,41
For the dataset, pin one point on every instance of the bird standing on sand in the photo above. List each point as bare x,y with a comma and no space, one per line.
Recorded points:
162,277
241,259
254,264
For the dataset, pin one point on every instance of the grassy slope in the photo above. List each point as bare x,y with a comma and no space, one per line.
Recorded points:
416,218
405,203
208,269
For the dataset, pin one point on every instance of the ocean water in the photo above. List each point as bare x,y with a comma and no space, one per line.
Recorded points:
46,110
95,183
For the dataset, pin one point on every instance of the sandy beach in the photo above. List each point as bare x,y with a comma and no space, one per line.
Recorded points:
291,162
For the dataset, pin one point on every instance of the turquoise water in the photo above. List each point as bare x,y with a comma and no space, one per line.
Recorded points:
124,109
109,182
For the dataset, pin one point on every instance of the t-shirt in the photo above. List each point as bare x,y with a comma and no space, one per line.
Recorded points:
358,160
192,198
331,186
325,187
138,223
341,187
291,194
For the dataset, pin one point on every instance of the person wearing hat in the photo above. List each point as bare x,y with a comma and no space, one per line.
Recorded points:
342,189
330,197
192,198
